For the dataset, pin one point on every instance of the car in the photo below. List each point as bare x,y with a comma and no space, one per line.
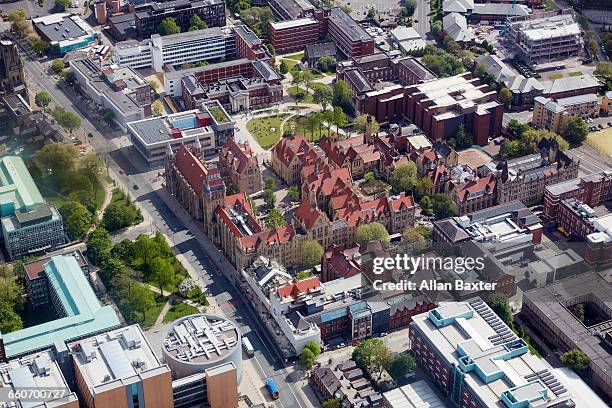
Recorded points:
383,334
135,187
590,120
90,134
341,345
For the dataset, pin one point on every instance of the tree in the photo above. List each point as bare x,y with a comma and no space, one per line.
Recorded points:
426,205
76,218
442,206
39,45
93,167
275,219
339,118
311,252
323,96
332,403
59,158
269,183
271,49
294,193
196,23
140,299
98,244
442,63
158,108
463,139
414,239
498,302
403,178
62,5
575,359
108,116
603,69
574,129
162,272
516,128
372,355
42,100
111,268
361,122
326,63
369,177
118,215
58,65
269,198
10,321
374,231
168,26
372,13
342,97
307,359
67,120
422,187
578,311
436,27
124,250
314,347
401,365
19,21
511,148
11,292
410,6
283,67
505,96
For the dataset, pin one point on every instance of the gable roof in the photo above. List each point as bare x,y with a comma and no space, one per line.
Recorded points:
297,288
191,168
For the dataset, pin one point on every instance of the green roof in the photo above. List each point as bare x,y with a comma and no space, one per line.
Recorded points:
85,315
17,188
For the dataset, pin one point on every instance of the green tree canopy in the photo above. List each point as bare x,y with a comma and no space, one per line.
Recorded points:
374,231
42,99
294,193
314,347
326,63
62,5
59,158
505,96
119,215
162,272
76,218
311,252
307,359
98,244
361,122
140,299
283,68
372,355
323,95
168,26
332,403
269,197
124,250
442,206
575,359
196,23
574,129
499,303
275,219
10,321
58,64
403,178
401,365
342,97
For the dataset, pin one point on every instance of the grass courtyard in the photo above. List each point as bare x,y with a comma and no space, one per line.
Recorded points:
601,141
267,130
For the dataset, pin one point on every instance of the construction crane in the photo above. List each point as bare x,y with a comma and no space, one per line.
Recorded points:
502,33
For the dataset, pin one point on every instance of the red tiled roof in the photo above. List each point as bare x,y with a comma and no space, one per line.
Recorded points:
307,215
342,261
398,203
329,181
299,287
287,148
475,186
191,168
438,173
278,235
238,155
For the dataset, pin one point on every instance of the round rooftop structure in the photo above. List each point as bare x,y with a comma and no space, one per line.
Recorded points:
198,342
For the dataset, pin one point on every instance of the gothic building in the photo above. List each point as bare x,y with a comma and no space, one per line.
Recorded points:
12,78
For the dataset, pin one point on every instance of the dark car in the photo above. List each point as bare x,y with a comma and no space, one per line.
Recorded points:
135,187
90,134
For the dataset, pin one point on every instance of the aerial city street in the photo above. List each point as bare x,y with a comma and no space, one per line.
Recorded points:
305,203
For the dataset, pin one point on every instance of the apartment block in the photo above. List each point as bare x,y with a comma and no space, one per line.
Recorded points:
29,224
549,114
148,16
461,347
119,369
545,37
350,38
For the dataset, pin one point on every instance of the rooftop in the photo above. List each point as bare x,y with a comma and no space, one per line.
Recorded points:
31,372
493,361
546,27
349,26
201,338
83,312
415,395
62,26
574,100
570,84
456,91
575,183
167,128
17,189
300,22
114,356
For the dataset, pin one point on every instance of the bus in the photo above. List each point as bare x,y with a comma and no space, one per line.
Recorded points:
248,347
272,388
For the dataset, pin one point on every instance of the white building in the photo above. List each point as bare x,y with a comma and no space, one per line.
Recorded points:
176,49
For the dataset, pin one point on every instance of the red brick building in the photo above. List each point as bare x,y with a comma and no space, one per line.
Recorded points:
294,35
349,36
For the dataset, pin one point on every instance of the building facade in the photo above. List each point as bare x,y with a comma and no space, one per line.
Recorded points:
240,166
294,35
549,114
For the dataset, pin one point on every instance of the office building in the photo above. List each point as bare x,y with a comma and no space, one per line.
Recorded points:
119,89
118,368
477,361
591,190
215,387
201,341
550,310
549,114
29,224
155,138
64,32
78,312
291,9
545,37
148,16
294,35
350,38
176,49
33,372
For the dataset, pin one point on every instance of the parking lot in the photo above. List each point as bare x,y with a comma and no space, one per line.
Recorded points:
360,7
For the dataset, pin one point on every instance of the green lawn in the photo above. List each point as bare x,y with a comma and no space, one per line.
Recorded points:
297,56
307,96
153,312
601,140
552,77
52,196
550,5
301,126
576,73
290,63
266,130
179,310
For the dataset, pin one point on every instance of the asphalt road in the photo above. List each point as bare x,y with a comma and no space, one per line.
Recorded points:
422,25
181,230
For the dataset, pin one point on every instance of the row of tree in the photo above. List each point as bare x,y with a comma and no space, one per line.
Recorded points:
11,298
524,139
169,26
21,26
372,356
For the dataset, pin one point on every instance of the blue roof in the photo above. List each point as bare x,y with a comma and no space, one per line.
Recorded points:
85,314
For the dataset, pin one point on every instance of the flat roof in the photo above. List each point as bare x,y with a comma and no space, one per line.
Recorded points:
415,395
348,26
547,27
84,313
572,100
114,356
201,338
38,370
18,192
300,22
492,358
570,84
62,26
159,129
454,90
